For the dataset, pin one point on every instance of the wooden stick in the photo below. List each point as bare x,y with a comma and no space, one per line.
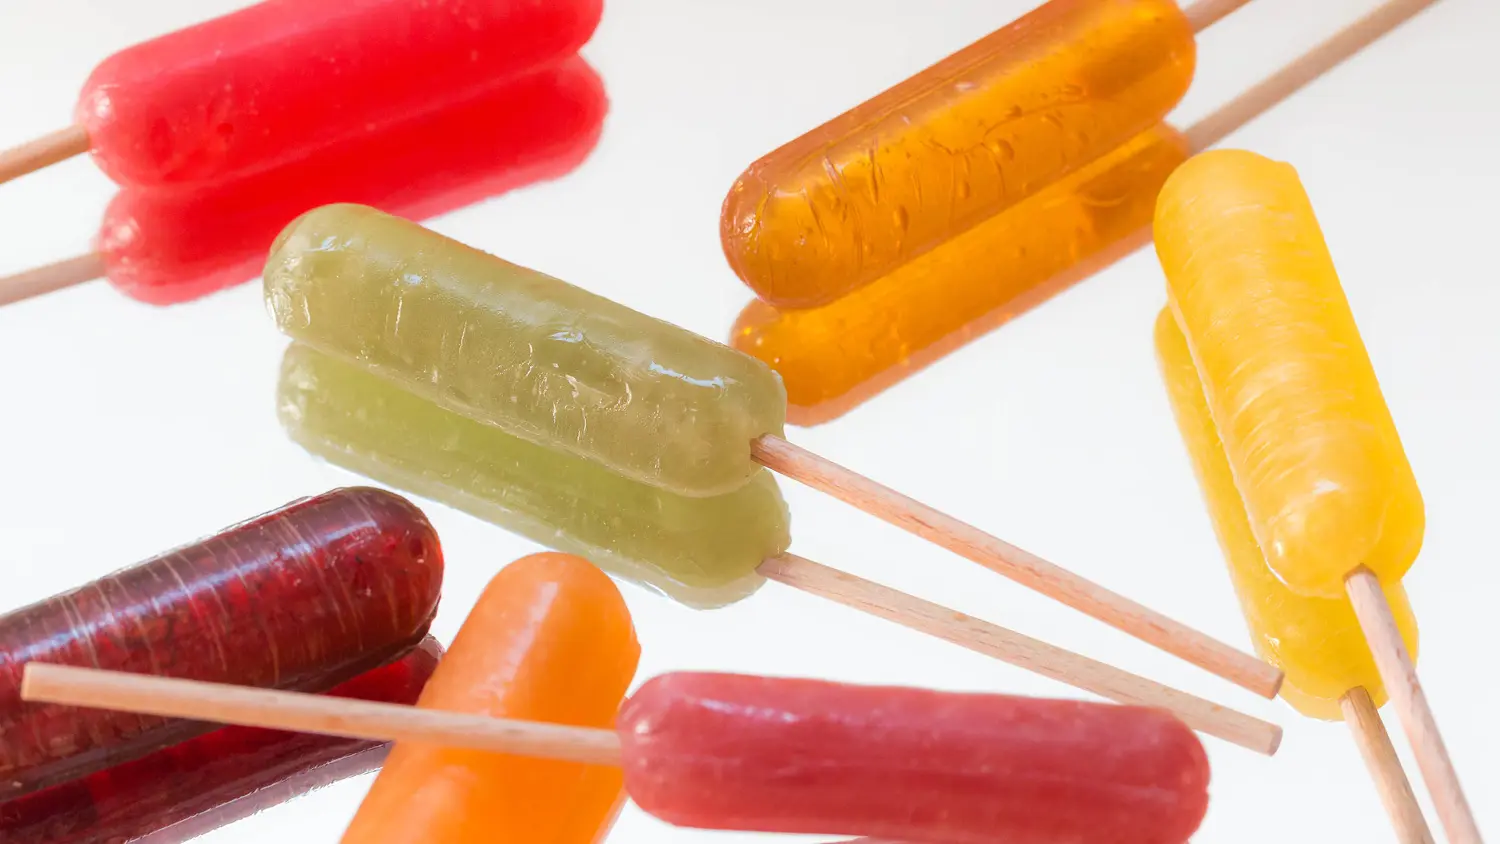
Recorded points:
43,152
14,288
1380,758
1399,675
1021,566
1301,72
309,713
1008,646
1206,13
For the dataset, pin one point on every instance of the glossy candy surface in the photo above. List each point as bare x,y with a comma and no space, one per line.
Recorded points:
193,788
949,148
1314,452
303,598
721,751
835,357
165,249
532,355
701,551
281,79
550,639
1316,641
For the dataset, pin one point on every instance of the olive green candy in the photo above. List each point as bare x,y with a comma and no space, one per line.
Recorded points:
700,551
520,350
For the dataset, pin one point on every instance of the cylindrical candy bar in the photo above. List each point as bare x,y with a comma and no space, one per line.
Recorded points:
721,751
193,788
282,79
170,248
837,356
511,347
1311,443
958,143
701,551
303,598
1316,641
550,639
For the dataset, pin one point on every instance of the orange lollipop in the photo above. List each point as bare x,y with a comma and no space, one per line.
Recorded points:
550,639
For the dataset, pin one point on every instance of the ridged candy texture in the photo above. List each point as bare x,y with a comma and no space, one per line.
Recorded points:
835,357
302,598
958,143
283,79
724,751
514,348
701,551
1312,446
1316,641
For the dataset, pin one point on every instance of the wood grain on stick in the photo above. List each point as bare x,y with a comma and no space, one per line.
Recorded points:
1025,568
1399,674
1205,13
1303,71
25,285
1375,748
309,713
1008,646
43,152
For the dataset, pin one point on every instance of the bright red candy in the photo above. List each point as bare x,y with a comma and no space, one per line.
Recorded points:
303,598
279,80
723,751
195,787
165,249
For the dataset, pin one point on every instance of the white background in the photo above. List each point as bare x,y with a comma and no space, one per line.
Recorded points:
127,429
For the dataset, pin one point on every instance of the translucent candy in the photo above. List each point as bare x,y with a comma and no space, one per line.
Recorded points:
190,789
171,247
523,351
303,598
1316,641
835,357
724,751
958,143
1311,443
701,551
281,79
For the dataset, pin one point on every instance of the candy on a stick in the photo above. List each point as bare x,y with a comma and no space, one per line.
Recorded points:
165,249
836,357
852,200
561,367
1315,640
193,788
305,598
722,751
533,355
550,639
280,80
701,551
761,754
1330,672
1315,456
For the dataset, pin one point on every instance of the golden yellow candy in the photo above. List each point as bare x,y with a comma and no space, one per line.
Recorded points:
1316,641
1311,443
852,200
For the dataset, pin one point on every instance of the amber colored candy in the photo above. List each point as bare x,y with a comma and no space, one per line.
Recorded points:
1314,451
954,145
836,357
1317,642
550,639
